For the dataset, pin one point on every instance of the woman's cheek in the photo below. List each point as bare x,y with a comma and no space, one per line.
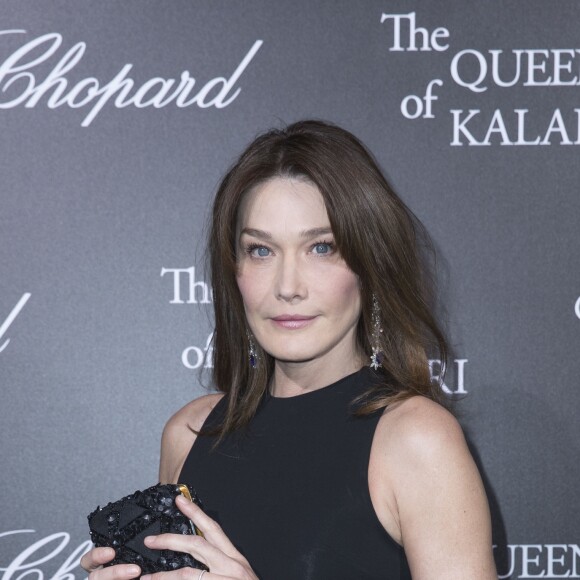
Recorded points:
338,281
252,286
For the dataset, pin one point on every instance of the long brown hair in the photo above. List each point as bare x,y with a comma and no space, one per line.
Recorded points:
376,234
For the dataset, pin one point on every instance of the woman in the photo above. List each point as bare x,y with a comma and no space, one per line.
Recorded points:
326,454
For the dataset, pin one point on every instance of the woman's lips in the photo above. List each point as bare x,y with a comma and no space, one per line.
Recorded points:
293,322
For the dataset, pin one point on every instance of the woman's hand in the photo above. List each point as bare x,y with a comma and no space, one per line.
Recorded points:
215,550
93,561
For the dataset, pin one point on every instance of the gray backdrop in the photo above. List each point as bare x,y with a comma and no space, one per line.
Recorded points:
472,109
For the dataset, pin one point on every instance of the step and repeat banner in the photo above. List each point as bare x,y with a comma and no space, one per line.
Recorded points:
117,120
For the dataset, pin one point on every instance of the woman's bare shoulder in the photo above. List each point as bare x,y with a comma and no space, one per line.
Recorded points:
425,473
179,435
414,440
419,425
410,437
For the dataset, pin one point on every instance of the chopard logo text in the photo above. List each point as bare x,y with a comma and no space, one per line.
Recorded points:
20,86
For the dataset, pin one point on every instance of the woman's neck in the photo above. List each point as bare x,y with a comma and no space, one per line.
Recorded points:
295,378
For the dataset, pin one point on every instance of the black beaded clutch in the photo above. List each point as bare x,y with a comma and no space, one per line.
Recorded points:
123,524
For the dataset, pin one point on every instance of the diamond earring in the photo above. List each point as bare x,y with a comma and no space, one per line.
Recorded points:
253,355
376,335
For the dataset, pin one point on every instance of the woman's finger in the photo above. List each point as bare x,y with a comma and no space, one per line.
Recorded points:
96,557
210,528
197,546
117,572
203,551
93,561
185,574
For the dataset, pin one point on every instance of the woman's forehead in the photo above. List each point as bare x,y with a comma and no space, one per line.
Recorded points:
282,203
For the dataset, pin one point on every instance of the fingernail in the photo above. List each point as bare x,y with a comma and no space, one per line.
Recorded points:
149,540
133,570
180,499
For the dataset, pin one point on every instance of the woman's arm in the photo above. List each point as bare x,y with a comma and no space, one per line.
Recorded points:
426,475
178,436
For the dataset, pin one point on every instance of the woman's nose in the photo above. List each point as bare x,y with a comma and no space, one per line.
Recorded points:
290,285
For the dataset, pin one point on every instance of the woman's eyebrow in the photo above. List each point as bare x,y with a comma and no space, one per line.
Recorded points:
256,233
315,232
263,235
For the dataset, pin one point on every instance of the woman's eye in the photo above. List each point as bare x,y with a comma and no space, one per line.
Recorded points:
323,248
259,251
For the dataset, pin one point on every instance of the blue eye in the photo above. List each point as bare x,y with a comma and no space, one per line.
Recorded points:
258,251
322,248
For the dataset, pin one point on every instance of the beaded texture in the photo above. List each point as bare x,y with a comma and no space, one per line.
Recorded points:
123,524
377,330
252,352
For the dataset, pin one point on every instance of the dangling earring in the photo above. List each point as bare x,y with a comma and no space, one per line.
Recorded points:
252,351
376,322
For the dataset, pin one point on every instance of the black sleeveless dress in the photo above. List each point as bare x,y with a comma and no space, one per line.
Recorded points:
291,492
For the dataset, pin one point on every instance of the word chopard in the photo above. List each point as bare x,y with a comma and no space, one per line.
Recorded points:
19,86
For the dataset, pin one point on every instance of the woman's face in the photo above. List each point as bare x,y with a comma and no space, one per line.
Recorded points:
302,302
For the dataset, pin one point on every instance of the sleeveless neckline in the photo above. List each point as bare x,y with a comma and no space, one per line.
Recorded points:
309,395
